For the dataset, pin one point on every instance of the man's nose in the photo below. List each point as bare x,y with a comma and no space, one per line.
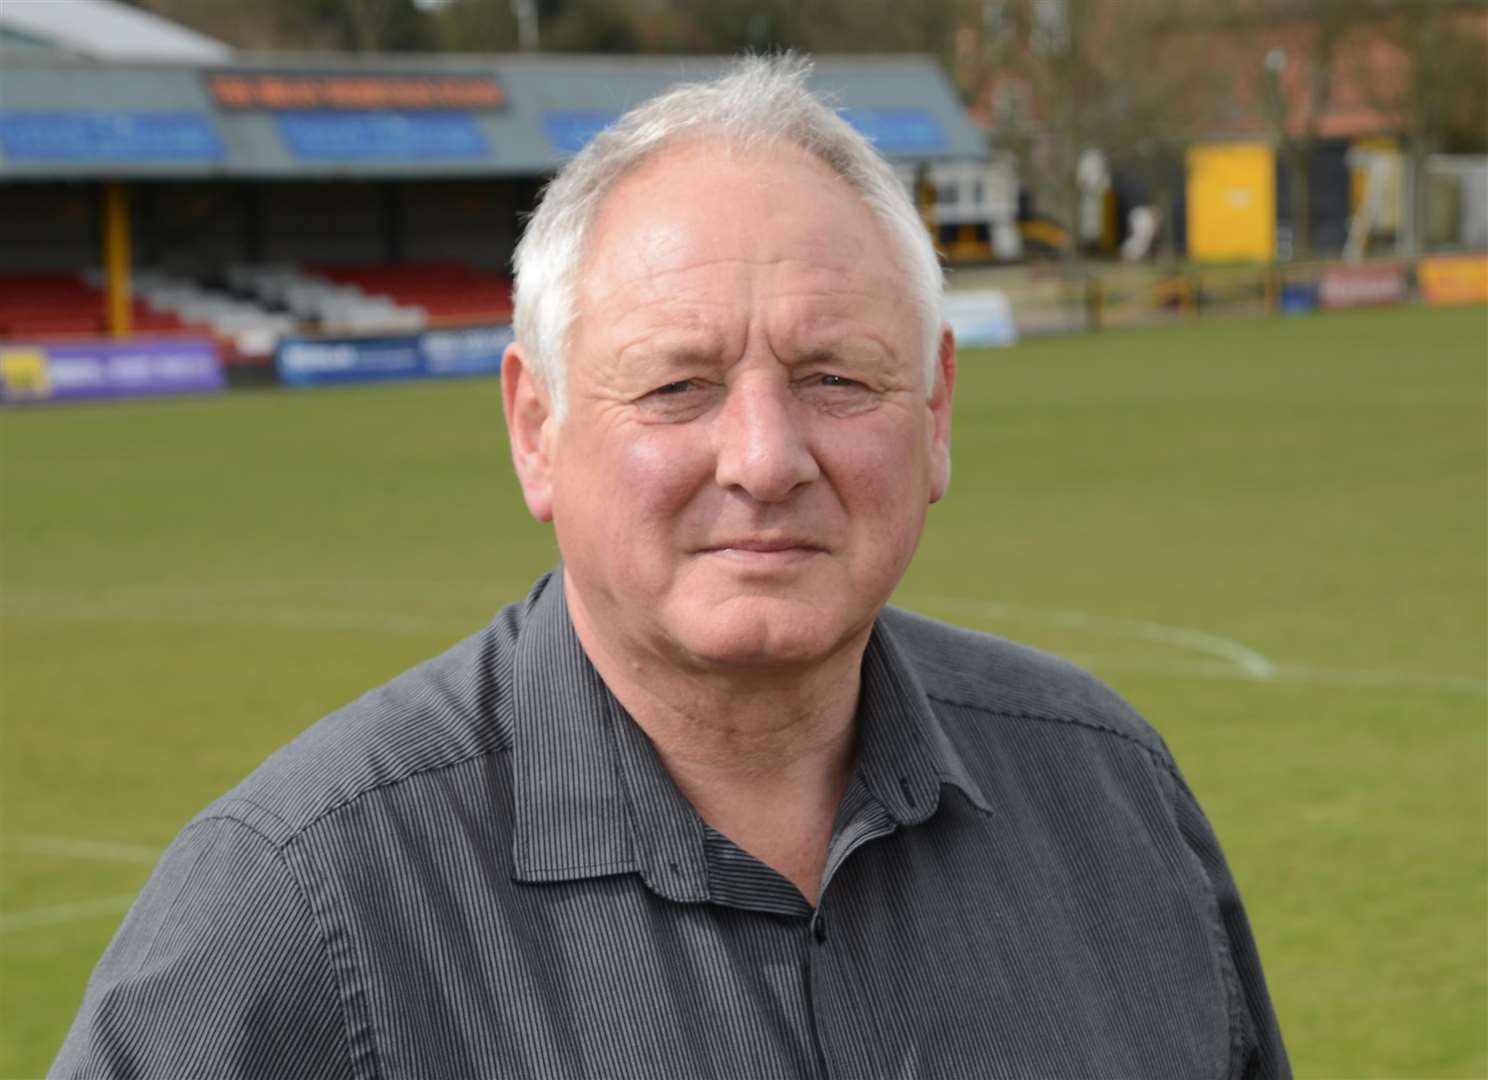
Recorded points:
761,445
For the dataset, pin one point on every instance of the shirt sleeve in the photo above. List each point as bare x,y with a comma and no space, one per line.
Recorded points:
1265,1056
219,970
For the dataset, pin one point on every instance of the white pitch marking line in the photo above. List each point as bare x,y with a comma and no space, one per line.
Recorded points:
1245,659
101,850
65,913
1237,660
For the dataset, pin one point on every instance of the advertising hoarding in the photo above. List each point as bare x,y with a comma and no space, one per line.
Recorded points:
1345,285
1454,279
475,350
980,317
109,136
382,136
278,91
143,367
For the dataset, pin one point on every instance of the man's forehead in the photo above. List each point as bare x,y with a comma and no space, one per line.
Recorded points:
721,158
697,194
717,206
671,339
708,242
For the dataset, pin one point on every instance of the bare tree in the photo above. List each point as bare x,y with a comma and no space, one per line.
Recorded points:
303,25
367,22
1295,50
1072,76
1423,65
273,24
476,26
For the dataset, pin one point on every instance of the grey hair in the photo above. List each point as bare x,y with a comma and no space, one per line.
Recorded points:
759,101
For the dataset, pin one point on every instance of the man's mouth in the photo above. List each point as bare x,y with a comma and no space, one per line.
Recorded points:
765,550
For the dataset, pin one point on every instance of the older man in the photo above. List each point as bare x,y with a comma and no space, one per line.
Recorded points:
703,806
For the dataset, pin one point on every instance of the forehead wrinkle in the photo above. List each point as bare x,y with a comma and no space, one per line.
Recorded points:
649,272
692,322
838,311
640,302
831,333
676,346
700,328
820,282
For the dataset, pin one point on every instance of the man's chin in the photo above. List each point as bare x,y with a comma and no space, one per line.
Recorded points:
760,632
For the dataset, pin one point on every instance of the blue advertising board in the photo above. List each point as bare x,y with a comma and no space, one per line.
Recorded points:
570,132
109,136
382,136
893,131
77,370
1298,297
475,350
898,131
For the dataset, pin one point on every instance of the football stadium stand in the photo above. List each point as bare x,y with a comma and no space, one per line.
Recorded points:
198,190
448,292
168,204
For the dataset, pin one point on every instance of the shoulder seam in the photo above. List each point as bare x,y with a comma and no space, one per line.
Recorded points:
1052,718
294,832
299,887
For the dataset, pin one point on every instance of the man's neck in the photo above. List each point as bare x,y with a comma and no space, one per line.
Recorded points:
762,755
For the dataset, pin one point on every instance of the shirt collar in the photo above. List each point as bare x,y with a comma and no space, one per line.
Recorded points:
570,818
592,798
904,755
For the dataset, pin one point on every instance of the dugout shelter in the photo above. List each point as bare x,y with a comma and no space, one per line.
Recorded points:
251,197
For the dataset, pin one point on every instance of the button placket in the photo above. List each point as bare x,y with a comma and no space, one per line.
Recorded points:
843,1034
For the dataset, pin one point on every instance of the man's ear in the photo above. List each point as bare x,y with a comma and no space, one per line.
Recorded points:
531,426
940,415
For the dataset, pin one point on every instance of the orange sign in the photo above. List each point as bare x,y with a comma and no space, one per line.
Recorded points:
355,93
1454,279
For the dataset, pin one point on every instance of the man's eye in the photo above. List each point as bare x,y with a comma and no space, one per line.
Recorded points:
679,387
836,394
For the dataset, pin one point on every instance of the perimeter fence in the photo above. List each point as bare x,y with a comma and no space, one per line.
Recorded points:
1061,299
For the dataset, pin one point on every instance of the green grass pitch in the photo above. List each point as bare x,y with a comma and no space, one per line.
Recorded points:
1270,535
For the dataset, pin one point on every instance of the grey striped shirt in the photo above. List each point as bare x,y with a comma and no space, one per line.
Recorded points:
483,870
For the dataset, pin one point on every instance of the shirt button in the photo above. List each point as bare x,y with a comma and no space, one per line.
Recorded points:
819,929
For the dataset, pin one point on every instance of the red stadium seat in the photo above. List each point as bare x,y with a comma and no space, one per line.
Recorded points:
449,293
53,304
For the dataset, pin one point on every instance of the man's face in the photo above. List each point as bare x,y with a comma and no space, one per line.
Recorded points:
749,450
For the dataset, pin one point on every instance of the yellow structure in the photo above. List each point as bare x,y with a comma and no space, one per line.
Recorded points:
1232,202
24,375
1454,279
116,259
